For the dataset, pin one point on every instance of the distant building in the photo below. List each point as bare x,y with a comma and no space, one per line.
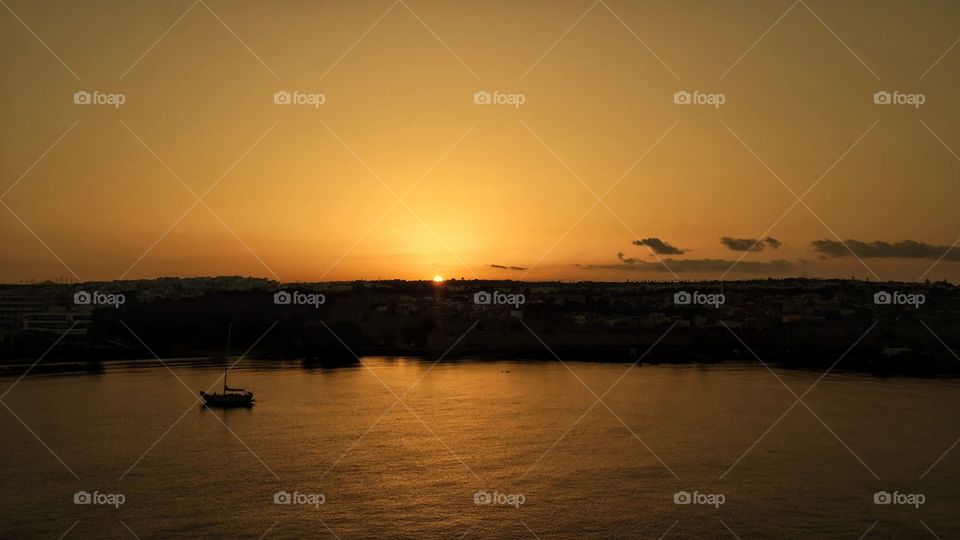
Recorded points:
40,311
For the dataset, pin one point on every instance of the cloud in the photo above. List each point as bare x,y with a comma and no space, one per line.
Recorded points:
503,267
905,249
742,244
627,260
749,244
778,266
659,246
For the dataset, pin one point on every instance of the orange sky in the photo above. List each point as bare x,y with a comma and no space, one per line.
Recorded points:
307,193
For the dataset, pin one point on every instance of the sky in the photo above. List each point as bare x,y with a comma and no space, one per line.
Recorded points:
619,140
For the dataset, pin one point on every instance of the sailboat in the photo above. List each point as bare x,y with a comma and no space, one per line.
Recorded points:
231,397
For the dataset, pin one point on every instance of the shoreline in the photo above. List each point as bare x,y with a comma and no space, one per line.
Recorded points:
932,366
803,324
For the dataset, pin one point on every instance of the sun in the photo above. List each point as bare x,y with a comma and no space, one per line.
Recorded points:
438,279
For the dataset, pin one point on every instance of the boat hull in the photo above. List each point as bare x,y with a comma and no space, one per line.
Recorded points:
228,400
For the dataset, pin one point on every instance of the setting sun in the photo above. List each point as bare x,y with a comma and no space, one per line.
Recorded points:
438,279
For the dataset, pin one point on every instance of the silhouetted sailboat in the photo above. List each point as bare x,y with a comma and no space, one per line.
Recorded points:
231,397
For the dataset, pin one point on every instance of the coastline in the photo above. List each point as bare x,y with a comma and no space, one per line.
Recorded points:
795,323
864,361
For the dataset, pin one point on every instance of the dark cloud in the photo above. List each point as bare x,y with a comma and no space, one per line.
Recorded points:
627,260
503,267
679,266
749,244
742,244
906,249
659,246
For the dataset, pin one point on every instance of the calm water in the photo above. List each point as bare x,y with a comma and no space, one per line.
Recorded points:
389,471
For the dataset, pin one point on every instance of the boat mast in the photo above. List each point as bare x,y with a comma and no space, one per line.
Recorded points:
227,365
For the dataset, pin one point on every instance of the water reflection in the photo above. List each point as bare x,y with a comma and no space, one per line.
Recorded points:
417,468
